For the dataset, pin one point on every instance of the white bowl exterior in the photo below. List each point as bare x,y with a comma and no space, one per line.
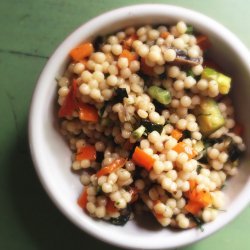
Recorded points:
52,157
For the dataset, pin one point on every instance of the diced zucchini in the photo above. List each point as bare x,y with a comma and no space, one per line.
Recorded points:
138,132
163,96
150,126
224,82
209,116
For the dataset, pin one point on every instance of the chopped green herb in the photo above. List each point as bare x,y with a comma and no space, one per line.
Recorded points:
197,221
199,168
119,95
186,134
99,190
190,30
190,73
99,156
123,218
150,126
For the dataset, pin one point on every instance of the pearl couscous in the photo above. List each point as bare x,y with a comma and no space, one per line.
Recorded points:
150,124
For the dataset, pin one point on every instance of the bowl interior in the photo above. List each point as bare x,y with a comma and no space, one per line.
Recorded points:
52,156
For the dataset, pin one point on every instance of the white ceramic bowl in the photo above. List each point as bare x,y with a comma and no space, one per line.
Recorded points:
52,156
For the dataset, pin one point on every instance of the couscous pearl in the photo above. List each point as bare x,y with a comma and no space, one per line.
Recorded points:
112,80
223,157
196,135
171,155
107,188
63,91
143,50
78,68
154,56
173,71
181,27
86,76
189,82
85,180
159,208
140,184
121,203
134,66
185,101
217,165
178,43
100,212
95,94
63,81
170,143
122,62
169,55
192,126
84,89
85,163
183,223
178,85
98,76
125,73
202,84
197,70
154,117
102,180
99,57
193,52
91,207
182,158
166,183
173,118
213,153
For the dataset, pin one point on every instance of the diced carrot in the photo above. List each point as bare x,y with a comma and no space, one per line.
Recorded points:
134,194
177,134
69,104
164,34
238,129
197,199
203,42
86,153
129,55
110,207
127,43
147,70
88,113
193,207
158,216
143,159
182,147
82,51
116,164
82,200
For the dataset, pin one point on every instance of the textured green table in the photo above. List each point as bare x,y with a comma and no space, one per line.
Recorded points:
30,31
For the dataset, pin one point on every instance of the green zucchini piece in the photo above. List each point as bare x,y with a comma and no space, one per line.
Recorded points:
163,96
138,132
209,116
223,81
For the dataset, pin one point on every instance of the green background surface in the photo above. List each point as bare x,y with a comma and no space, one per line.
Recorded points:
30,32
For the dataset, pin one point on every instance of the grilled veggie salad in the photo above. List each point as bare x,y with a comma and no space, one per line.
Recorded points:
150,124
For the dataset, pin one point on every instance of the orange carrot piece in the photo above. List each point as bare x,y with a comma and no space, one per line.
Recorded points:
177,134
127,43
88,113
182,147
116,164
147,70
197,199
193,207
143,159
203,42
82,200
86,153
110,207
69,104
164,34
129,55
82,51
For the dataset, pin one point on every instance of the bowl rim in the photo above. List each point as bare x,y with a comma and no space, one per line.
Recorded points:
150,9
